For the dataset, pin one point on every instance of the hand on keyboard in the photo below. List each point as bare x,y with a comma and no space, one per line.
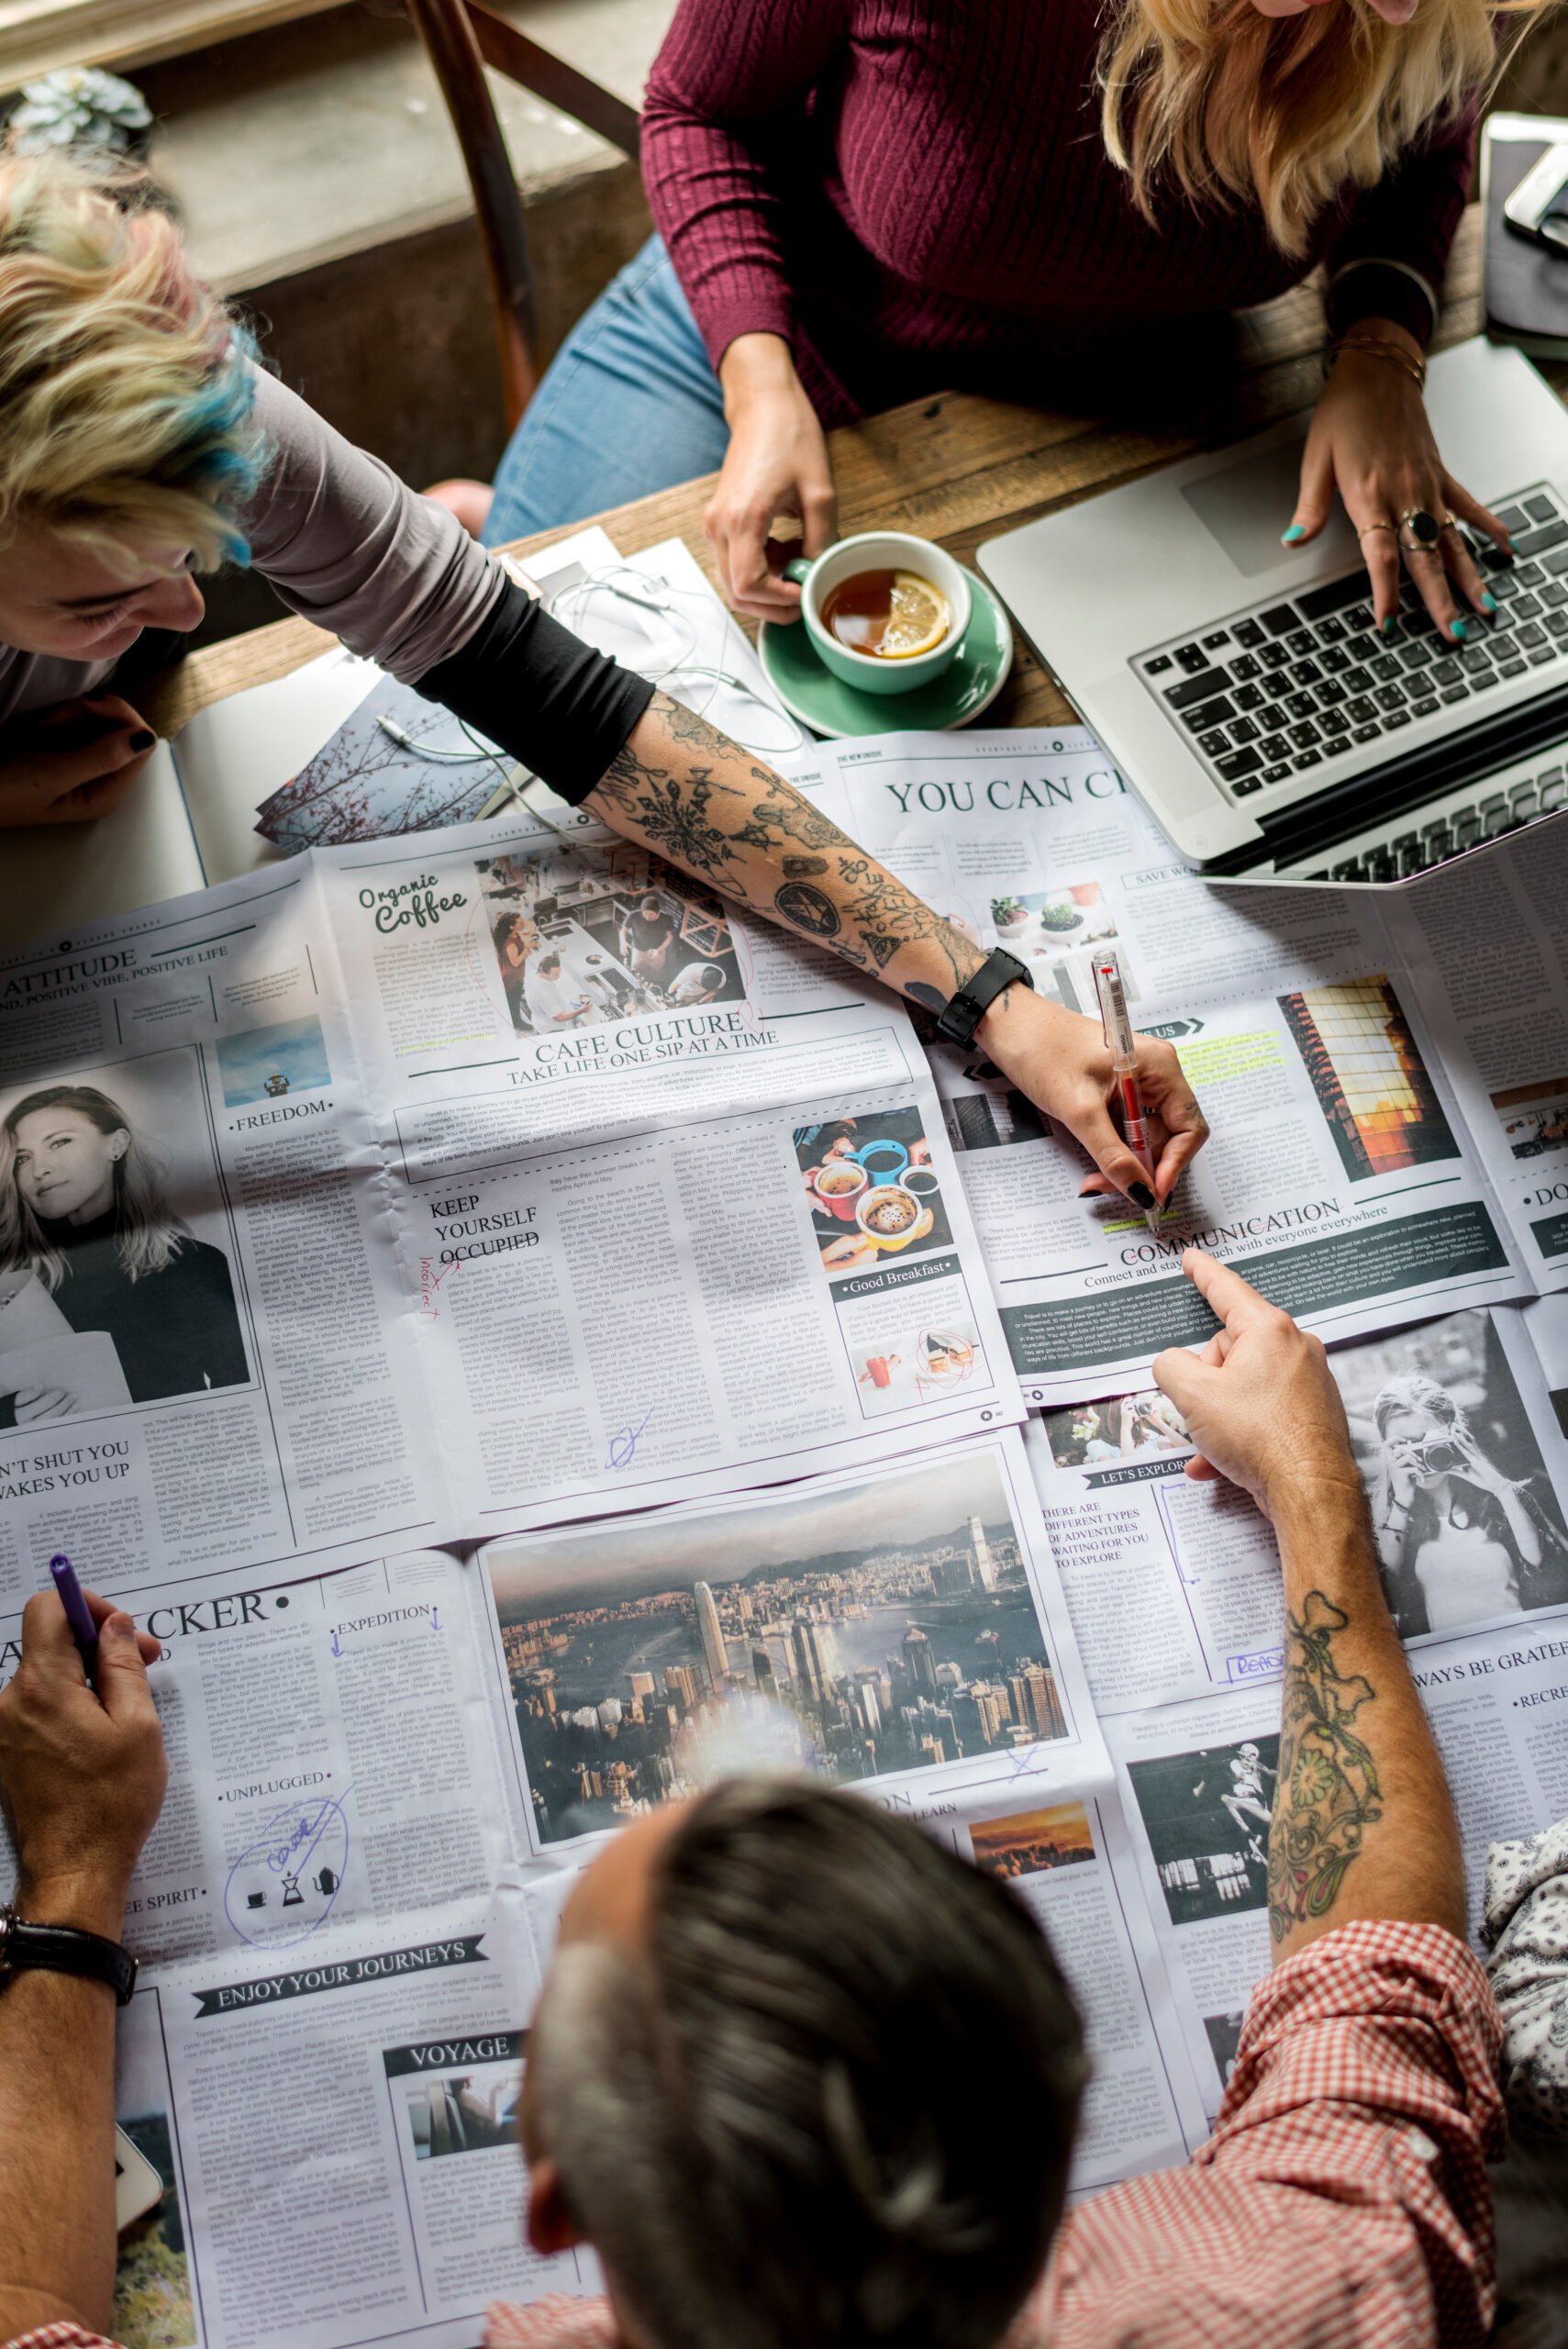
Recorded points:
1370,438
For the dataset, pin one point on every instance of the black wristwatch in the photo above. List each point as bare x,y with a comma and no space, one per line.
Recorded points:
957,1022
65,1949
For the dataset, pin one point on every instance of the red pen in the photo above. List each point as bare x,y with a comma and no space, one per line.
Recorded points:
1122,1046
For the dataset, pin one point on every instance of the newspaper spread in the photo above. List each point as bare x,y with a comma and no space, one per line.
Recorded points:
1453,1417
517,1182
477,1181
1450,1421
384,1781
1341,1179
1198,1782
1487,946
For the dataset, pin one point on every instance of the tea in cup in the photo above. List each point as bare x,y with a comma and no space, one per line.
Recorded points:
884,611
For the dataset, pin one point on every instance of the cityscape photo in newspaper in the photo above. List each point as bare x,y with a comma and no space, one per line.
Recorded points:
859,1632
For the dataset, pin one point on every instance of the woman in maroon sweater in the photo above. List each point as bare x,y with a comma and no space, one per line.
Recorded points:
862,200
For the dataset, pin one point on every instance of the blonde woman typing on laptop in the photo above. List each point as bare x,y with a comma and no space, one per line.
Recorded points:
140,444
861,201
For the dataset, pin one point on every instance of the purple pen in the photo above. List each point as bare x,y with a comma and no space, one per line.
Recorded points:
77,1614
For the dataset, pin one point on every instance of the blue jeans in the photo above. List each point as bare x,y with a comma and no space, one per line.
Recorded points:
629,405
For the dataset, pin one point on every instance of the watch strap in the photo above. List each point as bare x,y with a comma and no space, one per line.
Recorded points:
65,1949
959,1019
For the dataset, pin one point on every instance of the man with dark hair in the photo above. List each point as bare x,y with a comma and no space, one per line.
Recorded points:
803,2081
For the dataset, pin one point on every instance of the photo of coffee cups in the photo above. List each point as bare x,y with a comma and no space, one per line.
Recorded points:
837,1186
882,550
871,1190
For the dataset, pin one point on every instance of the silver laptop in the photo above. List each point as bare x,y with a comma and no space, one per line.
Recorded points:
1245,691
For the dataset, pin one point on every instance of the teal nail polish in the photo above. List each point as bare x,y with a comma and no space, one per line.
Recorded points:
1387,625
1488,603
1292,537
1458,628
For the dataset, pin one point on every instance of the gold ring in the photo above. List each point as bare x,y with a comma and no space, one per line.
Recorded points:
1377,525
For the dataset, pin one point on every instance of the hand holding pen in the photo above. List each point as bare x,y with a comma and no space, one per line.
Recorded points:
1122,1046
82,1769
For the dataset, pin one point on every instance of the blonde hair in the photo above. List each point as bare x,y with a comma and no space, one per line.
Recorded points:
148,1235
1283,112
125,387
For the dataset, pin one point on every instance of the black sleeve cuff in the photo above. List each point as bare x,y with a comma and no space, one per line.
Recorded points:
1376,291
555,704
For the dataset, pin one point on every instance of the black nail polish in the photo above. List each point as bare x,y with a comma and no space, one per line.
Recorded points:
1141,1196
143,739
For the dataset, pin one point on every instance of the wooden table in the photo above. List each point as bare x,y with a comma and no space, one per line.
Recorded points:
954,467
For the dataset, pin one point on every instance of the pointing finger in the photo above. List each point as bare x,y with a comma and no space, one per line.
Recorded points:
1224,1292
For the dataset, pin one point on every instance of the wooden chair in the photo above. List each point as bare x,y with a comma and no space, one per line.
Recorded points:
462,38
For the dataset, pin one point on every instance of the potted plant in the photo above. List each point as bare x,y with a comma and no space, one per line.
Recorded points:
79,106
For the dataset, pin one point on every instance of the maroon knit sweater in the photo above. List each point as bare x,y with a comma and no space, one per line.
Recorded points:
915,192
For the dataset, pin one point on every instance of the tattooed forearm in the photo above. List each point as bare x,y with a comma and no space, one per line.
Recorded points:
1328,1793
684,789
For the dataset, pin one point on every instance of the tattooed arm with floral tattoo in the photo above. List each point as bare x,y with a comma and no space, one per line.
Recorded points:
1363,1824
701,802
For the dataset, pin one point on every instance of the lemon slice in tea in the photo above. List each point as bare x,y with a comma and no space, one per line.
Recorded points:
918,621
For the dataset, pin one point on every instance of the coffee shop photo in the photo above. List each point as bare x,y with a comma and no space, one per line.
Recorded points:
581,939
887,581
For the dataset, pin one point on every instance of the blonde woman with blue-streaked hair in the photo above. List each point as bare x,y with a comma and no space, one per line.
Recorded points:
141,443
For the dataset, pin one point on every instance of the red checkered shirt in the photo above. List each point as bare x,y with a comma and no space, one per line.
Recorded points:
1342,2203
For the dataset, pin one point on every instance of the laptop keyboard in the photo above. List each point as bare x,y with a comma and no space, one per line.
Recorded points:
1470,819
1294,684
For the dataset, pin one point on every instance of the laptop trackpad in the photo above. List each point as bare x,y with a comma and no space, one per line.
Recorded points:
1244,508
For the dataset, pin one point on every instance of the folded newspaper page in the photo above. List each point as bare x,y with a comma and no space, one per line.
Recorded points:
1462,1447
424,1187
337,2130
1466,1472
1341,1179
384,1781
1199,1784
1487,946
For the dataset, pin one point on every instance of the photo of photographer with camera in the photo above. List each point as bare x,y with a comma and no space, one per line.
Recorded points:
1468,1527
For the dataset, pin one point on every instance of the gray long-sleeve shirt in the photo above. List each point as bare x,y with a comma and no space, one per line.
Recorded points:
348,545
344,542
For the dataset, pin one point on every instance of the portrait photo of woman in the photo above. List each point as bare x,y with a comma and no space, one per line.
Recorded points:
83,1210
1460,1541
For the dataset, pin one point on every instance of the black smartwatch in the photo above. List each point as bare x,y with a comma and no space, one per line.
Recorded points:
962,1016
65,1949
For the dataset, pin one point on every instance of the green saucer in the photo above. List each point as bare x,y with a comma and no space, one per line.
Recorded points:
968,685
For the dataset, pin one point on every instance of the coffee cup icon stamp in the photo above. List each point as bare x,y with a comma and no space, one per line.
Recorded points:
286,1883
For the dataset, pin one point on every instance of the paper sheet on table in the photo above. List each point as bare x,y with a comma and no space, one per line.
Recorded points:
1340,1176
449,1120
